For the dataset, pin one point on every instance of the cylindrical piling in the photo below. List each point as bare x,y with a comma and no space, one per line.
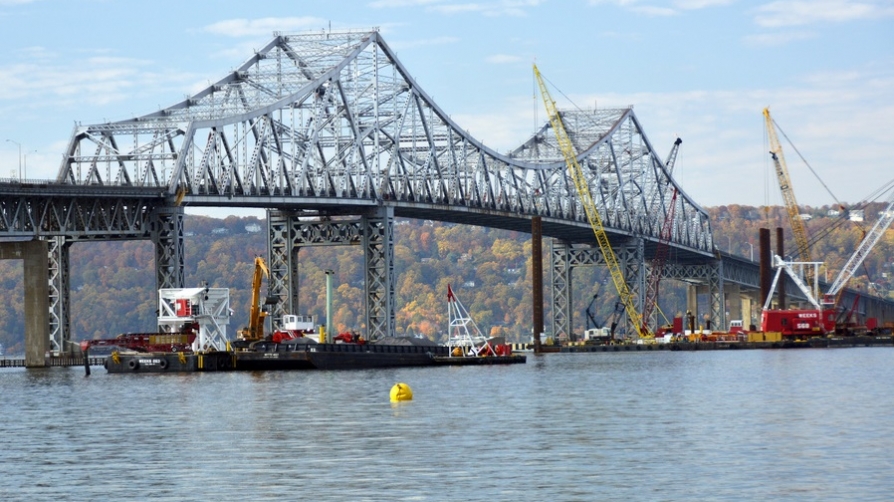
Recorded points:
765,264
780,251
537,275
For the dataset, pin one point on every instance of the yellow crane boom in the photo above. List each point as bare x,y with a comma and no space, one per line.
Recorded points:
583,191
788,194
255,329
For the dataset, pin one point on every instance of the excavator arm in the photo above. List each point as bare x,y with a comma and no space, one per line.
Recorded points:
255,329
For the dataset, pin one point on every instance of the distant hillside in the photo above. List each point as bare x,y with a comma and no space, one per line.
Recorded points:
112,283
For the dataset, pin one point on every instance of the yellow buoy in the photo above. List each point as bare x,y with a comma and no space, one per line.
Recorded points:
401,392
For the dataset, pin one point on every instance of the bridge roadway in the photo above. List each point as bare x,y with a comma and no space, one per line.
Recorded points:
331,135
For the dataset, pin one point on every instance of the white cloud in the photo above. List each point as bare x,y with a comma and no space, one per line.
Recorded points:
264,26
775,39
503,59
57,82
800,12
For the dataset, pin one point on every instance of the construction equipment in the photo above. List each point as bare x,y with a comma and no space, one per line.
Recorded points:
589,205
869,241
591,316
824,318
794,322
785,186
255,329
650,300
603,334
672,156
189,320
661,253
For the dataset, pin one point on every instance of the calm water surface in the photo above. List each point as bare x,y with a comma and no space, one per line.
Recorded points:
811,424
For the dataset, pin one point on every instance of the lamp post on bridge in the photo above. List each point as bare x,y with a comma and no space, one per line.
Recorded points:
25,163
20,156
751,247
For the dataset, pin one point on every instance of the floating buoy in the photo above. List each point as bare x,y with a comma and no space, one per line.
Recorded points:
401,392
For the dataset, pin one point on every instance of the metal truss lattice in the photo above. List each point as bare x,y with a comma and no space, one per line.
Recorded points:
337,116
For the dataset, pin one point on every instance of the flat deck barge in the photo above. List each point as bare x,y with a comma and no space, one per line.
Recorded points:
818,342
322,356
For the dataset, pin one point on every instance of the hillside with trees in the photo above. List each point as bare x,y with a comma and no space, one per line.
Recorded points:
112,283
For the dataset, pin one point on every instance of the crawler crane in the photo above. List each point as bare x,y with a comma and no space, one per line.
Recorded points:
785,186
589,205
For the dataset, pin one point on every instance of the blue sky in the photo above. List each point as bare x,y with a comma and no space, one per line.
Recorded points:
700,69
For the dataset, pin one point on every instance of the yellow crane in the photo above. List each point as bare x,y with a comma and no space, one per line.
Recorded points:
255,329
583,191
788,194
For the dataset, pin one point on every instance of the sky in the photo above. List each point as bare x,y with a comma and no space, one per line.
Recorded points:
702,70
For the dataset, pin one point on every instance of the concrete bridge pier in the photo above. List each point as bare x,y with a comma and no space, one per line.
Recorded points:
734,301
743,305
37,326
692,304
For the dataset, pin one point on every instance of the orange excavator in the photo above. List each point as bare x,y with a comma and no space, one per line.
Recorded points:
255,329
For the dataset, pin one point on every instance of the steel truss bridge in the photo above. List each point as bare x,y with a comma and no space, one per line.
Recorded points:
333,137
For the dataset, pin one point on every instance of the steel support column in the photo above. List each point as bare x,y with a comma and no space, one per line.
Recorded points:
561,279
59,294
280,253
717,295
166,230
378,252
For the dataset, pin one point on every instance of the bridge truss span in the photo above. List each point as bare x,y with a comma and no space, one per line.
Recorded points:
336,117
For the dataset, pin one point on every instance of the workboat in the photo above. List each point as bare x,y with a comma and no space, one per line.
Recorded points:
465,342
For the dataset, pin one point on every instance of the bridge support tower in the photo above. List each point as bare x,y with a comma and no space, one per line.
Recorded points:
166,231
290,231
564,257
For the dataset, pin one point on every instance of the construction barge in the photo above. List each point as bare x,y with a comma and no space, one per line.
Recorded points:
818,342
316,357
192,338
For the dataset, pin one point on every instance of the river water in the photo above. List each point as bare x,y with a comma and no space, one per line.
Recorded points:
802,424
